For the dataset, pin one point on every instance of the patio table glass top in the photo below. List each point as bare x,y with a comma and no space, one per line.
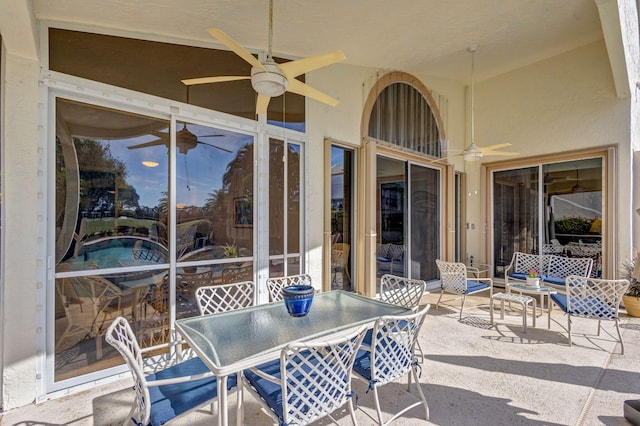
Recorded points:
230,341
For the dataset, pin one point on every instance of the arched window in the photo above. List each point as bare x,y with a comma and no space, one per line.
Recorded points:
404,114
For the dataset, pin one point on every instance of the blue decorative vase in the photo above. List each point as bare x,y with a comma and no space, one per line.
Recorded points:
297,299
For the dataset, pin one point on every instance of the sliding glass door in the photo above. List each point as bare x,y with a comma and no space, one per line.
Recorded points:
551,208
408,219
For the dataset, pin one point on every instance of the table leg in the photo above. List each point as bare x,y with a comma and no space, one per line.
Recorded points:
534,311
222,401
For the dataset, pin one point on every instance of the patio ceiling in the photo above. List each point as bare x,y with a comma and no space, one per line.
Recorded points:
427,37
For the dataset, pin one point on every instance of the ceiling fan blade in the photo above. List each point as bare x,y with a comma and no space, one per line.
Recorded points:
262,104
444,159
301,66
157,142
216,146
492,147
210,136
501,153
296,86
236,47
221,79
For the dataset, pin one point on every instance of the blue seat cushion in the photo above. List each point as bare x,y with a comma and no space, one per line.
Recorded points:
590,306
368,336
519,275
170,401
554,280
475,286
362,365
271,392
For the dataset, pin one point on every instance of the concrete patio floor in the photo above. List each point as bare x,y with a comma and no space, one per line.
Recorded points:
473,374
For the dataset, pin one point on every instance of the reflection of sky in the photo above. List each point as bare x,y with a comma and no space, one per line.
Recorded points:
199,172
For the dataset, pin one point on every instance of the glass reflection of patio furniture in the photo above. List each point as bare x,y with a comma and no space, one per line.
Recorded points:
389,255
148,255
554,247
153,327
107,301
276,284
70,315
340,261
225,297
187,283
185,240
231,274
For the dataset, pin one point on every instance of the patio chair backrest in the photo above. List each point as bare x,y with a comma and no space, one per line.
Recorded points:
525,262
453,276
562,267
227,297
393,345
275,285
120,336
401,291
317,376
339,255
594,298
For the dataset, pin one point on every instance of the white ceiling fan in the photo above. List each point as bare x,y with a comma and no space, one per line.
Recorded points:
270,79
474,152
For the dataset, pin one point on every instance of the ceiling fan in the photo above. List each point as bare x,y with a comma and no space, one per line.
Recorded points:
474,152
270,79
185,140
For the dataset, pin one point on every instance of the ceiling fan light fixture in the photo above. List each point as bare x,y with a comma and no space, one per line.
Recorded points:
472,155
271,83
150,163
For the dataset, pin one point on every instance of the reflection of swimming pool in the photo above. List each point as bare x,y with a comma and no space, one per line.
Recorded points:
113,252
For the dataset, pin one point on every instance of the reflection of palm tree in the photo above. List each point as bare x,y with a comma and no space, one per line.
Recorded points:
163,204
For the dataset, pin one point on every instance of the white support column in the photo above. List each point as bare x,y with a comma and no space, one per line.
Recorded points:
23,247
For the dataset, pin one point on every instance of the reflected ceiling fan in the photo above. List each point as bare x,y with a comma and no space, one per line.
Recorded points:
474,152
270,79
185,139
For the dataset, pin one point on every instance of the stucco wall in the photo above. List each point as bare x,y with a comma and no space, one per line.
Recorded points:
561,104
20,197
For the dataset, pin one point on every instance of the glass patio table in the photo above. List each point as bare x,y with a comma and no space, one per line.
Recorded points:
232,341
541,291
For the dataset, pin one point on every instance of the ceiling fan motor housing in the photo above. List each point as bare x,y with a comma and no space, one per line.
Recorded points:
271,83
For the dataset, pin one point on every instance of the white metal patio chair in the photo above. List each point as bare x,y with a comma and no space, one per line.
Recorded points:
276,284
401,291
591,298
227,297
392,356
453,279
166,394
309,381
